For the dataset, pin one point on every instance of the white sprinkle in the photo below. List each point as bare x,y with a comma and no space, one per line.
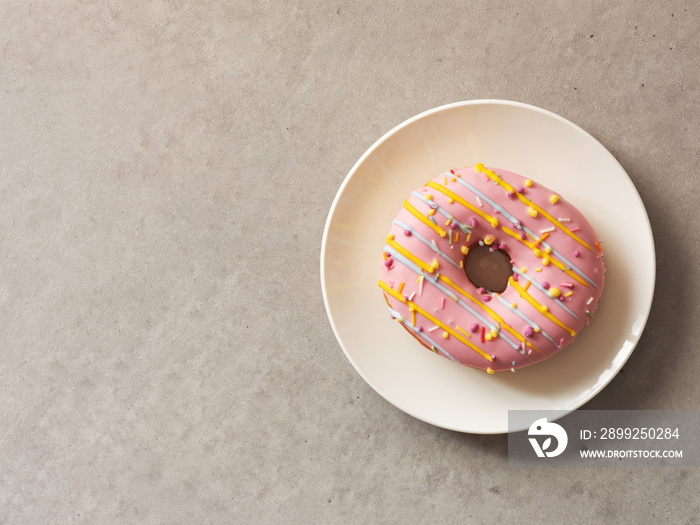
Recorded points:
589,301
522,345
410,297
479,201
564,219
420,286
547,230
433,328
529,352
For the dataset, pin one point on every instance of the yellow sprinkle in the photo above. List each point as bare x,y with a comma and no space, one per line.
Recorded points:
523,269
488,337
513,305
553,198
545,260
461,264
537,252
411,309
431,211
444,181
445,335
390,237
490,371
538,269
435,264
488,240
568,294
385,256
418,279
556,292
547,250
451,200
465,250
400,288
455,237
528,183
428,196
544,308
447,222
454,180
532,211
494,334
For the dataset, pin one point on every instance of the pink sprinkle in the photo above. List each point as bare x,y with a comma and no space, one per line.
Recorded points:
561,341
545,285
523,236
420,328
453,225
407,233
576,253
486,298
389,262
510,194
474,328
442,302
520,189
529,331
570,286
473,222
452,171
561,298
502,246
515,277
574,229
480,290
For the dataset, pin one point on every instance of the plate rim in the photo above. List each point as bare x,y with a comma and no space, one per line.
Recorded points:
445,107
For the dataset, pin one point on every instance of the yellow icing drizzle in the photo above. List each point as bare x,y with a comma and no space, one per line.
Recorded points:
491,175
435,320
493,221
403,251
418,215
540,308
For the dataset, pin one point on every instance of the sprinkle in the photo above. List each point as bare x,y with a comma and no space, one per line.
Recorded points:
431,211
463,331
444,181
473,222
564,219
523,269
494,334
547,230
445,335
589,301
390,236
442,303
514,306
545,285
522,348
589,314
389,262
453,225
545,260
420,285
553,198
488,337
520,189
428,196
570,286
512,369
490,371
413,316
450,200
528,183
478,200
420,328
529,331
502,246
452,172
532,212
493,357
527,285
512,363
433,328
574,229
450,236
561,341
567,294
488,240
400,287
483,333
529,352
547,250
555,291
410,297
538,269
464,250
537,252
576,253
486,298
435,264
456,237
386,256
473,328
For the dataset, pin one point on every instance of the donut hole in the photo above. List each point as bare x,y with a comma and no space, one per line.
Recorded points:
488,268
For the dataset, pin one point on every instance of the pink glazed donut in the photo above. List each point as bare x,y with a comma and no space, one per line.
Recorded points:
552,277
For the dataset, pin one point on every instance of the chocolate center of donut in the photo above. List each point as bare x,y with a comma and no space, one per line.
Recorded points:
488,268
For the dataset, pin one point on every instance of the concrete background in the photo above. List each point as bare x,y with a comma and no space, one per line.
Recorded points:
166,169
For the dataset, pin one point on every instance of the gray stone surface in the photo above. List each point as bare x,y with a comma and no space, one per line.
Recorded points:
166,169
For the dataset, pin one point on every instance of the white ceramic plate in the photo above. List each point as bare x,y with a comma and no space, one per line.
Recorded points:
515,137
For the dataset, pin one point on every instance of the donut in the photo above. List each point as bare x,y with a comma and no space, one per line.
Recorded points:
490,269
